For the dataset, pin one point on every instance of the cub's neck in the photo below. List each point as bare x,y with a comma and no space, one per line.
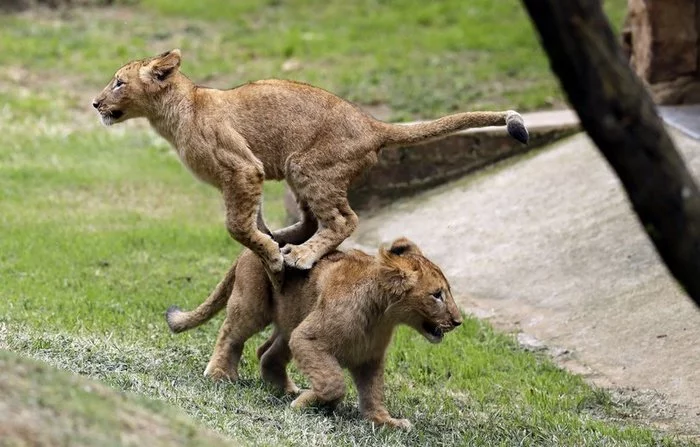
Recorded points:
171,109
385,310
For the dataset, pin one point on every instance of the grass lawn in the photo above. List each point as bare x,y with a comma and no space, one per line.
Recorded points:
102,229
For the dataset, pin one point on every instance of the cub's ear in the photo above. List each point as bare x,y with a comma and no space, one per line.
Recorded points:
397,279
161,67
402,246
397,275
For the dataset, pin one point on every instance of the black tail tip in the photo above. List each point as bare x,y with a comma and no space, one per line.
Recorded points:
516,128
168,314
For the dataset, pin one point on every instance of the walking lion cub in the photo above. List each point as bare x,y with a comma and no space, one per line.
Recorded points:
272,129
340,314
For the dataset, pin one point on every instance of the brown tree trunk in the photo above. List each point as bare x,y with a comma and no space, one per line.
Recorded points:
620,117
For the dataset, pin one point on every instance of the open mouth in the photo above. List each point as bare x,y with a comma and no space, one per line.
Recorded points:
109,118
115,114
432,332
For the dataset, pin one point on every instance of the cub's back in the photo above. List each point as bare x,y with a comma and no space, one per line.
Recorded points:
337,273
278,118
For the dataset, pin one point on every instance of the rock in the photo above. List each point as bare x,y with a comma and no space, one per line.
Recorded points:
530,343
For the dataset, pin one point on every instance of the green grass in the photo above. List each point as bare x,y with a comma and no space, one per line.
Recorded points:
477,388
103,229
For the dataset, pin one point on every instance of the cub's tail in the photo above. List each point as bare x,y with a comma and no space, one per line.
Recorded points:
405,134
180,320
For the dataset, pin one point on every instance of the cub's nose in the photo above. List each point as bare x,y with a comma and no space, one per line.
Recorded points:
95,103
456,323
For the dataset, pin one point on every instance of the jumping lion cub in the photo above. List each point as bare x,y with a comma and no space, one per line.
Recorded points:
340,314
272,129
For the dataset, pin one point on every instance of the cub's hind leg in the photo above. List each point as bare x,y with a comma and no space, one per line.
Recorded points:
326,195
274,357
234,332
247,313
337,222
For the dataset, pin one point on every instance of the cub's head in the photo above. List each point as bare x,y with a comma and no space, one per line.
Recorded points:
421,295
135,86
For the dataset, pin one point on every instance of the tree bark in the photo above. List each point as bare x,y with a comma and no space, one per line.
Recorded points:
621,118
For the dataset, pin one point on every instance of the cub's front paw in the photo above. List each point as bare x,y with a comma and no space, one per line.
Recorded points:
403,424
218,374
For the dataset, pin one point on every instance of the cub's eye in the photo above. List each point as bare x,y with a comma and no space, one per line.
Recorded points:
119,83
437,295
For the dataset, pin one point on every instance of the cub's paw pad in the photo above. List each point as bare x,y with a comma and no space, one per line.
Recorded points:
300,258
403,424
218,374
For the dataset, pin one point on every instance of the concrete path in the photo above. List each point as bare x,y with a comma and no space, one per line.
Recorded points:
547,245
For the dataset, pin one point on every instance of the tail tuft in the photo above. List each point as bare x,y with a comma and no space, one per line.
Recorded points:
516,127
171,317
180,320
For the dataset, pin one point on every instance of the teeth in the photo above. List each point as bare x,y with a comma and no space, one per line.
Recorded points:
433,332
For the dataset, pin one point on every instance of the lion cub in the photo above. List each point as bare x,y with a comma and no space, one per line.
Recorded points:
340,314
272,129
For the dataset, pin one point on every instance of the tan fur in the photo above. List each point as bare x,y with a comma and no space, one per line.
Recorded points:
340,314
272,129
